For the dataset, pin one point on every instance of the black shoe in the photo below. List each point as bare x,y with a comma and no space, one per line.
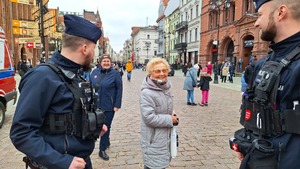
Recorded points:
103,155
188,103
193,104
205,104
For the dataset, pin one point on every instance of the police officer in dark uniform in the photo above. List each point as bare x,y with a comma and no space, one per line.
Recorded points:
55,124
271,136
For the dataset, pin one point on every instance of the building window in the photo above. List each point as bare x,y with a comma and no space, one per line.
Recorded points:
190,35
197,10
213,20
196,34
246,6
232,13
226,16
185,37
192,14
186,16
181,38
148,36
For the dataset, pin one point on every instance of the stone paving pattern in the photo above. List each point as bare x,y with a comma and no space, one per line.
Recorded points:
203,131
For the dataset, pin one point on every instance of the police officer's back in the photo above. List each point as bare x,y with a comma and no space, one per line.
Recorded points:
47,126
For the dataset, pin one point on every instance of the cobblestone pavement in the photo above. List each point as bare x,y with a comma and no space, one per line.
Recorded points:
203,131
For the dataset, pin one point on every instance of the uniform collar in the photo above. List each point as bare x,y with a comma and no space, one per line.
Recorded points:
285,46
65,63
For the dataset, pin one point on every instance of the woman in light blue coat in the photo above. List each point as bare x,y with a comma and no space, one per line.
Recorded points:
190,83
157,117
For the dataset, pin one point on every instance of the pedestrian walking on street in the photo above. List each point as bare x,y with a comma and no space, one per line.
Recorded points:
225,71
204,86
129,68
108,84
49,125
157,117
231,72
190,82
209,68
184,69
271,132
23,68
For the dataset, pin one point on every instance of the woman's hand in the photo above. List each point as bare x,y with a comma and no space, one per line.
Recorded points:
175,119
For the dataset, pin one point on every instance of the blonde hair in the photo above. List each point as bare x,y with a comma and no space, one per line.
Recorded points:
155,61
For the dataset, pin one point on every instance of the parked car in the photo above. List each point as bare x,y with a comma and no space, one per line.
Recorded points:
171,72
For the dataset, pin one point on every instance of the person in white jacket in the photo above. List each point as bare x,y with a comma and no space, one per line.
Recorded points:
157,117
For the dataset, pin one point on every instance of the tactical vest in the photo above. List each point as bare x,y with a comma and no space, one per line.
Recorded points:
259,113
85,120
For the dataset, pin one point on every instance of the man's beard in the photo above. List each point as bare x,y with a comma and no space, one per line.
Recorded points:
271,32
87,67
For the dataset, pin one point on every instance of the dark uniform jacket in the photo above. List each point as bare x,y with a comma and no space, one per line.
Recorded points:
110,88
43,92
288,91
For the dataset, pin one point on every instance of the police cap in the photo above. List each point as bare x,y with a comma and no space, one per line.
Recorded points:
258,3
81,27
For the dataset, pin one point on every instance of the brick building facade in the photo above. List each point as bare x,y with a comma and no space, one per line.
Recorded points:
232,25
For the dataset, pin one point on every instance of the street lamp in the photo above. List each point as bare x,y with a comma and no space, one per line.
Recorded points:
215,6
138,59
148,44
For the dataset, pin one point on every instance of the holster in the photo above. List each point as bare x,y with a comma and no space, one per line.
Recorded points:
261,156
32,164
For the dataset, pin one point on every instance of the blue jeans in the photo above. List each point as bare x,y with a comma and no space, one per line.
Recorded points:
109,115
190,96
128,76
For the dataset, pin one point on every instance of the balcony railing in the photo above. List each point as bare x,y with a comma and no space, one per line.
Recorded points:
181,46
159,40
182,25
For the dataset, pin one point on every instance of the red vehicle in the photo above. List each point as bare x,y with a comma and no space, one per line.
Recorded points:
8,93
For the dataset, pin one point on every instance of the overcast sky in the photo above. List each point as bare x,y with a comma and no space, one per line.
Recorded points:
118,16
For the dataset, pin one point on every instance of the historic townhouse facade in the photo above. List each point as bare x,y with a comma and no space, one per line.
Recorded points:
172,19
228,32
160,28
188,31
193,8
143,43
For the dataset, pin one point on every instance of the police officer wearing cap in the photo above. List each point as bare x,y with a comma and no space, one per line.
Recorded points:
271,122
50,121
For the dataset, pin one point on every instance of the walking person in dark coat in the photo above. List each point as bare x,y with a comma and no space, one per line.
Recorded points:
23,68
231,72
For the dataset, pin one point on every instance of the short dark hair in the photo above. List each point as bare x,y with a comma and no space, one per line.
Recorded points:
73,42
